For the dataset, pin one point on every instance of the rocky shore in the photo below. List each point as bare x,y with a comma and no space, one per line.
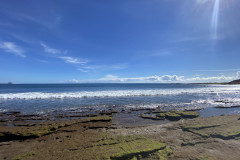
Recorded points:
114,133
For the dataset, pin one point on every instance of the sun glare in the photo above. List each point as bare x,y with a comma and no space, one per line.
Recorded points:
215,15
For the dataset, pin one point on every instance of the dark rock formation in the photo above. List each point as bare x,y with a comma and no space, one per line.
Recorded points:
235,82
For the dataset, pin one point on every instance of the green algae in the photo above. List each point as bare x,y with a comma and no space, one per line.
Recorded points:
172,116
163,154
23,156
26,133
160,115
130,147
22,133
98,119
177,115
188,114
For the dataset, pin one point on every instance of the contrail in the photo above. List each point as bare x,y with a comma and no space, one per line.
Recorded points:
215,15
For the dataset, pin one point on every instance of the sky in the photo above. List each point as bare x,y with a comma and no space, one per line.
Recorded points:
78,41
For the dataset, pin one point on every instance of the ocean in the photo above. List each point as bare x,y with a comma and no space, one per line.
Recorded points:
43,98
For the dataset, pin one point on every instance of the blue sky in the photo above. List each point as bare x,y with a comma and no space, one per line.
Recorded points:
119,41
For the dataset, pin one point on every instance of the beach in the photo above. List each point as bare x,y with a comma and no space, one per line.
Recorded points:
104,136
120,121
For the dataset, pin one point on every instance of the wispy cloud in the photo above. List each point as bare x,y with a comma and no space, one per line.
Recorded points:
82,64
83,70
57,53
87,68
25,17
74,60
11,47
49,49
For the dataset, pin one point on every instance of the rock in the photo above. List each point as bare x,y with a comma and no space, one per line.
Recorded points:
219,101
98,119
196,109
11,113
188,114
237,106
105,112
177,115
161,115
113,110
149,116
4,120
28,115
139,109
172,116
235,82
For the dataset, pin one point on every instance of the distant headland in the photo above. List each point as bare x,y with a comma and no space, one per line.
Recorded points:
235,82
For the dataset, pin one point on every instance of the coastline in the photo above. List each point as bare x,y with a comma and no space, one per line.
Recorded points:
113,134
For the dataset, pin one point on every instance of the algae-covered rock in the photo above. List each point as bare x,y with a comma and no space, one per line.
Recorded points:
153,117
172,116
98,119
217,127
177,115
188,114
131,147
161,115
26,133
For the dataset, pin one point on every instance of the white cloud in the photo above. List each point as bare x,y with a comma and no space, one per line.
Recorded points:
165,78
49,50
74,60
12,48
169,78
211,79
238,74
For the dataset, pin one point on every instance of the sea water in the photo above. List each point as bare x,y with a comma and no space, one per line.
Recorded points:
41,98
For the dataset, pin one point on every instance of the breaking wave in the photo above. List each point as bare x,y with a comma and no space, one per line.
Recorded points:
121,93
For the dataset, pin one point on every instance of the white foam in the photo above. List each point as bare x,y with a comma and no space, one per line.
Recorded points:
120,93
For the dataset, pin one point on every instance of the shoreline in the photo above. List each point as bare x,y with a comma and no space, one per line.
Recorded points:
103,134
